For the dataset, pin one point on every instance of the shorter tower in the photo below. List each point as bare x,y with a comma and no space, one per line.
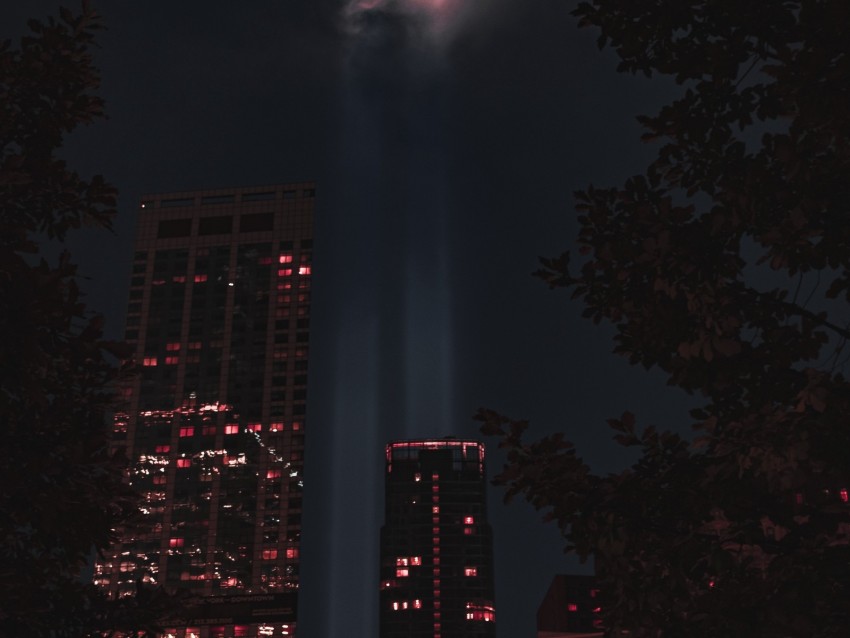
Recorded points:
436,543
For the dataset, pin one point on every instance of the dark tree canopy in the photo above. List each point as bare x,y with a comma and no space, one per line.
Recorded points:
727,266
62,492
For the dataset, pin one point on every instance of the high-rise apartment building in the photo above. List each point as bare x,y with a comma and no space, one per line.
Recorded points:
436,543
214,423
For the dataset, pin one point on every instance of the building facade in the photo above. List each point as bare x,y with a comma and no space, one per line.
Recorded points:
214,423
436,544
570,608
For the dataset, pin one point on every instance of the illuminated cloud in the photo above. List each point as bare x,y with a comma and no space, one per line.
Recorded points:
433,22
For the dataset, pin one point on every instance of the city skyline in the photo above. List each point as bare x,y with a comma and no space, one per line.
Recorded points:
489,139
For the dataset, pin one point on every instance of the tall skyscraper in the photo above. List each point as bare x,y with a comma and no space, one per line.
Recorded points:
214,424
436,543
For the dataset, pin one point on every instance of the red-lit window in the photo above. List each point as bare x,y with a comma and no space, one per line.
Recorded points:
187,431
149,362
254,427
797,497
401,561
276,427
184,462
468,520
572,607
284,272
396,605
470,571
467,531
176,542
273,474
845,495
179,279
172,347
291,552
417,604
304,270
402,572
162,449
475,611
415,560
435,509
231,428
269,554
159,479
285,258
172,361
199,279
296,425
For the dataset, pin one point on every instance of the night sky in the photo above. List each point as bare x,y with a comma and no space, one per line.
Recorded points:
446,140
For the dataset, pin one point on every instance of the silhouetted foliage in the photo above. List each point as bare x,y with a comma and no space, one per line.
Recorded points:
727,266
61,491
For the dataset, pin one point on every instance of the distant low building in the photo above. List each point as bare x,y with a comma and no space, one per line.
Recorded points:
570,609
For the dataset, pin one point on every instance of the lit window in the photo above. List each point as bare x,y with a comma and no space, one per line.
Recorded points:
415,560
304,270
149,362
291,552
401,561
254,427
276,427
417,604
184,462
273,474
468,520
199,279
402,572
285,258
269,554
172,347
284,272
417,477
395,605
231,428
187,431
176,542
159,479
172,361
845,495
435,509
572,607
467,531
162,449
296,425
179,279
